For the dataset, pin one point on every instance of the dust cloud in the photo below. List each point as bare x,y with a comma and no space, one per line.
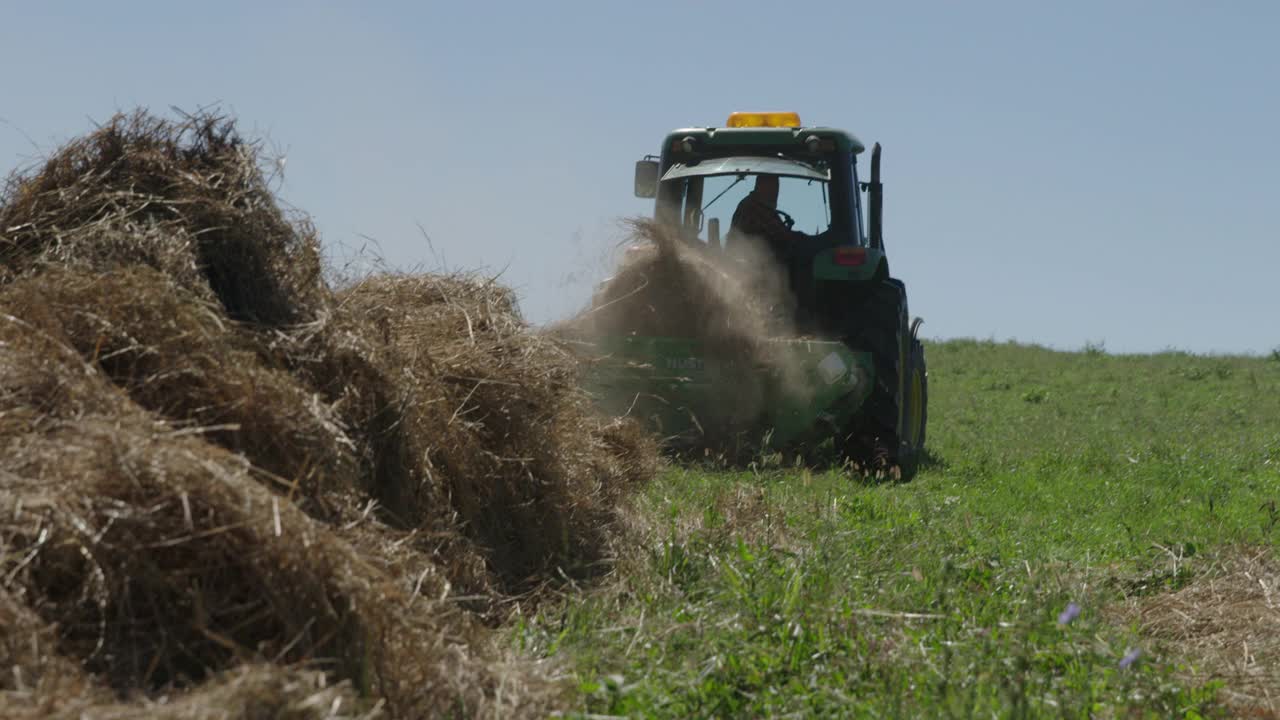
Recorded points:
735,303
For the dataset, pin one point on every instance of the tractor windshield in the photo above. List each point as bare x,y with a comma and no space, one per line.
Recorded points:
805,201
705,193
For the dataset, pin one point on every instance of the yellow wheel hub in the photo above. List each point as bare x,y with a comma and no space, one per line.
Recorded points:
915,405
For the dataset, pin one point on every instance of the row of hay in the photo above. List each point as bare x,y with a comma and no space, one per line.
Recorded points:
228,490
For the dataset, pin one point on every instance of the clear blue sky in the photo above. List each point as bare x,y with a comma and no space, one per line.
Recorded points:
1086,171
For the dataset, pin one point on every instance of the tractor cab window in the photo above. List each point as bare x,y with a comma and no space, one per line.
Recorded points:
702,195
709,204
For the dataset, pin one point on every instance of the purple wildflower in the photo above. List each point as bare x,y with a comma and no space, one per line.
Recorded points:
1130,658
1071,613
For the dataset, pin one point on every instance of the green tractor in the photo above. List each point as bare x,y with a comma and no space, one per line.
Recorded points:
853,341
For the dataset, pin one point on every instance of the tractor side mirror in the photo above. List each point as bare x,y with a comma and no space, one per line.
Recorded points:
646,178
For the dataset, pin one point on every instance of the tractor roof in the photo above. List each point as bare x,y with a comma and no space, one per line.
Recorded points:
775,139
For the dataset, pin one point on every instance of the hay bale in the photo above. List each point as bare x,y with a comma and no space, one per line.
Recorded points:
214,469
254,692
176,355
161,561
500,425
185,197
36,678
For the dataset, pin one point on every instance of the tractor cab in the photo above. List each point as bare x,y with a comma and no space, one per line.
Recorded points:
832,241
863,383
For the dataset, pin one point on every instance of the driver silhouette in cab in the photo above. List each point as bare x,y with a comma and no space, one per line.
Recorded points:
758,216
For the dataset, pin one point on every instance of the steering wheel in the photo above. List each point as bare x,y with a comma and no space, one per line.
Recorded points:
786,219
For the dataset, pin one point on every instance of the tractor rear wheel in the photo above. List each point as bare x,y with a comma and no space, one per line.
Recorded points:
881,330
893,425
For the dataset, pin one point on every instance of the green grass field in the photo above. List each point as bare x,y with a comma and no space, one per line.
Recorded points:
1106,482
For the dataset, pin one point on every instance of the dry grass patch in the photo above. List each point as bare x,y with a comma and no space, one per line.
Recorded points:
1225,625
